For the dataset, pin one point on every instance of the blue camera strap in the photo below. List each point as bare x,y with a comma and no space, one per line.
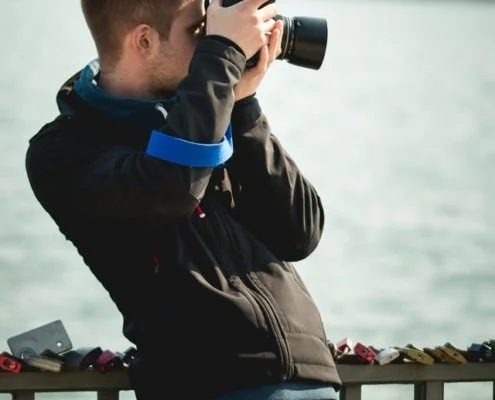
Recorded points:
191,154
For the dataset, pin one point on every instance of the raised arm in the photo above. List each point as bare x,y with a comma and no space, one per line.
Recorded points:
274,200
120,182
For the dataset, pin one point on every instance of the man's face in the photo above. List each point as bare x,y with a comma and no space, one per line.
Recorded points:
172,64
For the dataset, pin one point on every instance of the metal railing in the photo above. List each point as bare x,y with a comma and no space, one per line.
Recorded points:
428,380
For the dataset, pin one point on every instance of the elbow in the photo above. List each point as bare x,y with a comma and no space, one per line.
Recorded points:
301,246
302,252
308,238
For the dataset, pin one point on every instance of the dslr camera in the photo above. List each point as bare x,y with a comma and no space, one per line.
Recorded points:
304,39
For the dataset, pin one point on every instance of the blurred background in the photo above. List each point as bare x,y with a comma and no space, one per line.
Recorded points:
396,131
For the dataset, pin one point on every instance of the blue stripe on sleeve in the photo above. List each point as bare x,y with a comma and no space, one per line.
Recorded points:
191,154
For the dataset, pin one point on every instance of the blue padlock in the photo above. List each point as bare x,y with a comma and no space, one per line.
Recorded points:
480,352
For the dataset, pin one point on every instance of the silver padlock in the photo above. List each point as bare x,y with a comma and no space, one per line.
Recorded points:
386,356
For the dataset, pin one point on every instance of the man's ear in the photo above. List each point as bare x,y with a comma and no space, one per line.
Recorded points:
145,39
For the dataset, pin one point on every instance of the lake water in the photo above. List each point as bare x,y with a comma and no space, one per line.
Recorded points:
396,131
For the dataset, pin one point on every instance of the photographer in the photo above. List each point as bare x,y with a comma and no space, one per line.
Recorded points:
162,170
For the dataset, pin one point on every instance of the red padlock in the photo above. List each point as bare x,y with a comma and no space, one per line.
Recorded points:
108,361
364,352
345,345
9,364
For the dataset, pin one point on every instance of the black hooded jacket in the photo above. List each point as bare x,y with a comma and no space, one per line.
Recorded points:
197,260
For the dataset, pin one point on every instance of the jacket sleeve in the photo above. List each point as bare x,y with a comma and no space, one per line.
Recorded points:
119,182
274,200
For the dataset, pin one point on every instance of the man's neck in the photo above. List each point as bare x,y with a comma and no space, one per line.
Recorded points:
124,82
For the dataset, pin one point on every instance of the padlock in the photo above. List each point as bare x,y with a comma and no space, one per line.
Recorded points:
375,349
51,354
387,356
10,364
351,359
108,361
364,352
332,348
52,336
42,363
479,352
128,355
24,366
412,353
345,345
82,358
336,353
454,352
438,355
491,344
451,356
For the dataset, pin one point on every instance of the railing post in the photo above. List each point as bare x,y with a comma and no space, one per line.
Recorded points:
108,395
420,391
23,395
431,390
350,392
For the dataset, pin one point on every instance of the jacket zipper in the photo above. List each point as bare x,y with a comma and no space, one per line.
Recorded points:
276,326
237,284
257,293
233,279
302,287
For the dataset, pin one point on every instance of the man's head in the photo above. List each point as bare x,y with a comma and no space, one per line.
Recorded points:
150,41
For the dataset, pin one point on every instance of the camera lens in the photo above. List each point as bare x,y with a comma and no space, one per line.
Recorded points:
304,41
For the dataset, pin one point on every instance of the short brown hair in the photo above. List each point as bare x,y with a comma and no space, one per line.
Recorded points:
109,20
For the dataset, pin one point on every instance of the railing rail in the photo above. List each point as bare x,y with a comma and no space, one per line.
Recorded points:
428,380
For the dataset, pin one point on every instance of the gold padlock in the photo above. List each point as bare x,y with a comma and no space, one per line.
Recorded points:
42,362
413,353
453,353
439,355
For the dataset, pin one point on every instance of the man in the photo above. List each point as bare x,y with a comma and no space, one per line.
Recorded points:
163,172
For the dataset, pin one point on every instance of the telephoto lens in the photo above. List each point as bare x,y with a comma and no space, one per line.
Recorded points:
304,39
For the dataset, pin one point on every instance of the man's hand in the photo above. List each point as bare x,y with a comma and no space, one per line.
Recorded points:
251,79
243,23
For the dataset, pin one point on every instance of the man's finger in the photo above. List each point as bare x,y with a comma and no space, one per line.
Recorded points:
263,61
267,12
268,26
274,45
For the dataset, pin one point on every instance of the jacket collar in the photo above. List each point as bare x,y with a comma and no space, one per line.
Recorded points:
136,113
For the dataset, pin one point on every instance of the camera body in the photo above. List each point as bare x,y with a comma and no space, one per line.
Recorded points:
304,39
